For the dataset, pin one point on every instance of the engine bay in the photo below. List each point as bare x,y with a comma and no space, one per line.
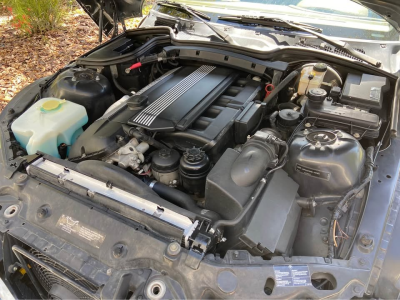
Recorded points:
215,157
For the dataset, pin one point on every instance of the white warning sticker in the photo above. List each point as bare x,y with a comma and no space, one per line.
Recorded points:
80,230
292,275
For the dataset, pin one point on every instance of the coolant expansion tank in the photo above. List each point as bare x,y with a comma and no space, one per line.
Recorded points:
47,124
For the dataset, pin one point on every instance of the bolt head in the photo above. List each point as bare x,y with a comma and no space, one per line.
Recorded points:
366,240
119,250
357,289
173,249
42,212
362,262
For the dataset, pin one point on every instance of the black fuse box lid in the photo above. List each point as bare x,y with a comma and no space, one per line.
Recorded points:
365,91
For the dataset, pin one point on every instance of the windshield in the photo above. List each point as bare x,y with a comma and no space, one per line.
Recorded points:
340,18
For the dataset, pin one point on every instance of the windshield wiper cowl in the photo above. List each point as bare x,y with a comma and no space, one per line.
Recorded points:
272,22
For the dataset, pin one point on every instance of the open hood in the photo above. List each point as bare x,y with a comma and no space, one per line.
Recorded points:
109,12
118,10
388,9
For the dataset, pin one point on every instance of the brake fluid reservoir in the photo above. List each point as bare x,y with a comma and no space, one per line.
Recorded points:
311,77
47,124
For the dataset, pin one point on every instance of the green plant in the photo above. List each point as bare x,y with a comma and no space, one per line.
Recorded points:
36,16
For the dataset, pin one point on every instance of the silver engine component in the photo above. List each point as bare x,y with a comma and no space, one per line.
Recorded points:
131,155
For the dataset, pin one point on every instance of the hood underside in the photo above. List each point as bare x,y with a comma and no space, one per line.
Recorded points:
119,10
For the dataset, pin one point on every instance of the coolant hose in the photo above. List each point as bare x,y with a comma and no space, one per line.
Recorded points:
120,178
280,86
338,211
181,199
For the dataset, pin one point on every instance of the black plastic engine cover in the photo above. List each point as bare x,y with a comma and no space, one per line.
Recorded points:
181,97
190,106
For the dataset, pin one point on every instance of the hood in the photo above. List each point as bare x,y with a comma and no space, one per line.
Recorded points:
388,9
119,10
113,11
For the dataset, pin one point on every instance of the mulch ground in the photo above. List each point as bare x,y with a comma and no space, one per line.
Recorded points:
23,59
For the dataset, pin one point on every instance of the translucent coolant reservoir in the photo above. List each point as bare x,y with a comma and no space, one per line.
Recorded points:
47,124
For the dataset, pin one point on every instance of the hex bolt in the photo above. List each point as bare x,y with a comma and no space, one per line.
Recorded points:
21,178
118,251
42,212
362,262
356,135
357,289
307,125
109,271
173,249
366,240
15,268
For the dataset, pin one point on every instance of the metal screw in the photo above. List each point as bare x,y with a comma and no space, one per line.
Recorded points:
357,289
90,194
173,249
118,251
356,135
21,178
42,212
307,125
15,269
362,262
109,271
366,240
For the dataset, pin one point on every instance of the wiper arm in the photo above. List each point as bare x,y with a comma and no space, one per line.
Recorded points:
200,16
268,22
306,28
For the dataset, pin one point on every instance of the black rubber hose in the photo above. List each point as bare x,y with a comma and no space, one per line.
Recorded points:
181,199
118,86
120,178
133,132
338,211
253,197
280,86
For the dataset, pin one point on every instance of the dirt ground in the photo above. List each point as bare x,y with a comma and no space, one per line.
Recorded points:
23,59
